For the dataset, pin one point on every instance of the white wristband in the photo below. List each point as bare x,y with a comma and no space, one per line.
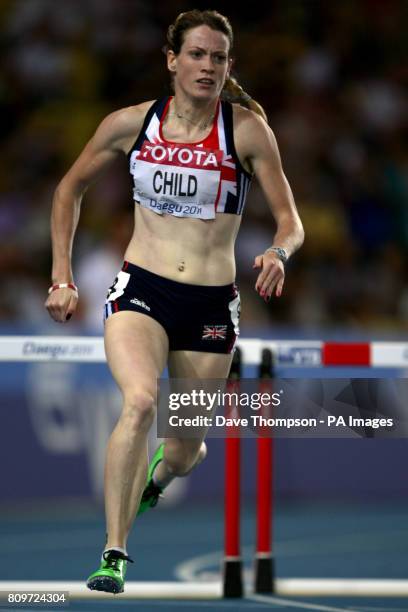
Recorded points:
63,286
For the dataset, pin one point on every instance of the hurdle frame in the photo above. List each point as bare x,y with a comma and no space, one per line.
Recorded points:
288,353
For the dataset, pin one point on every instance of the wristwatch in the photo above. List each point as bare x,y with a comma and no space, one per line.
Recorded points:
281,253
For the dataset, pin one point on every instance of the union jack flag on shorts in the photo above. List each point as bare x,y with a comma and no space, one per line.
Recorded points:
214,332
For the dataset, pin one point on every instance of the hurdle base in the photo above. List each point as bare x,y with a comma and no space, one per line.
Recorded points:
233,586
264,575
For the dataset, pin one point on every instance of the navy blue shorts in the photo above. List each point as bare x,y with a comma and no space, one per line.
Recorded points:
195,317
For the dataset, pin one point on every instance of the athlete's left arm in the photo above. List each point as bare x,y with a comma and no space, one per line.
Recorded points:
260,150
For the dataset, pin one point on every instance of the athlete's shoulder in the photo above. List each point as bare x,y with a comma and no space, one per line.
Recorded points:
126,120
122,126
248,125
252,134
247,118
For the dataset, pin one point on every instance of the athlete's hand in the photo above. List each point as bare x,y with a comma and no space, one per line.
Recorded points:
61,304
271,276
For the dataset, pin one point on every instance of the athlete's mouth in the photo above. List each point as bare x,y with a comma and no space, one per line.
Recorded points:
205,81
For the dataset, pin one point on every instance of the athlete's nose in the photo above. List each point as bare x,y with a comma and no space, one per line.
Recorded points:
207,65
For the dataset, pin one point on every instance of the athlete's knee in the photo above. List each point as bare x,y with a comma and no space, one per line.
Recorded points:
202,453
178,463
180,459
139,409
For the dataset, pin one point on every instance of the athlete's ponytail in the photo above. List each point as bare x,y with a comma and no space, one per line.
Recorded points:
233,92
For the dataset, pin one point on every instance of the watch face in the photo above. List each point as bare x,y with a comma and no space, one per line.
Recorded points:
281,253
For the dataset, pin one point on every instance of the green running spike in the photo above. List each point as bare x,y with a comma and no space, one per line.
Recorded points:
152,491
110,576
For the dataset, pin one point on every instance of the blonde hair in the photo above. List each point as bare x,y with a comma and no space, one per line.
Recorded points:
232,90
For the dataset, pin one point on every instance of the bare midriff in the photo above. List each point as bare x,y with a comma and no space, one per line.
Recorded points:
186,250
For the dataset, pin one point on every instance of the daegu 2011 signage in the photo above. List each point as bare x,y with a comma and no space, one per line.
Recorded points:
300,355
52,348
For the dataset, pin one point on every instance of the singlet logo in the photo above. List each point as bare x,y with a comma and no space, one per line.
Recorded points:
186,156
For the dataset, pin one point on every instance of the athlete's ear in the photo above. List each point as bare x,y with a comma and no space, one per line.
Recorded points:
171,60
230,62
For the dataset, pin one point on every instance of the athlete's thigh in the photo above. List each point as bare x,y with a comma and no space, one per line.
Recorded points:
200,365
136,348
196,364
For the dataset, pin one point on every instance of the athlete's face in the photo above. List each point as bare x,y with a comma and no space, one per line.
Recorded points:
203,64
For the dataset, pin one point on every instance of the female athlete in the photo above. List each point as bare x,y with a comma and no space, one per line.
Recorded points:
192,156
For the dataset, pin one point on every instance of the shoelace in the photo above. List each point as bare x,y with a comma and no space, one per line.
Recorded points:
154,492
112,557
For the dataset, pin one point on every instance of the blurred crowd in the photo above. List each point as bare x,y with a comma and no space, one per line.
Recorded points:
330,76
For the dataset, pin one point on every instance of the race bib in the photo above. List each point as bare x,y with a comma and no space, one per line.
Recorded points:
177,179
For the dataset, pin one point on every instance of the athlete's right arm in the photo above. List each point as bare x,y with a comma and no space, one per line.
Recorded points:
114,137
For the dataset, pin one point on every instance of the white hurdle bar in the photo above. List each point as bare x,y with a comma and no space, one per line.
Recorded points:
289,587
296,353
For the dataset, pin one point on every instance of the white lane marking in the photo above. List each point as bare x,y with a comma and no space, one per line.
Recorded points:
360,542
188,570
377,609
297,604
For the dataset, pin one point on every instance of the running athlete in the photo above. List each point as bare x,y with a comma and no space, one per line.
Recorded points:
192,156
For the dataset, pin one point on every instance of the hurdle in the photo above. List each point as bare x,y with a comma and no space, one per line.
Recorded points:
264,563
232,582
287,353
267,355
